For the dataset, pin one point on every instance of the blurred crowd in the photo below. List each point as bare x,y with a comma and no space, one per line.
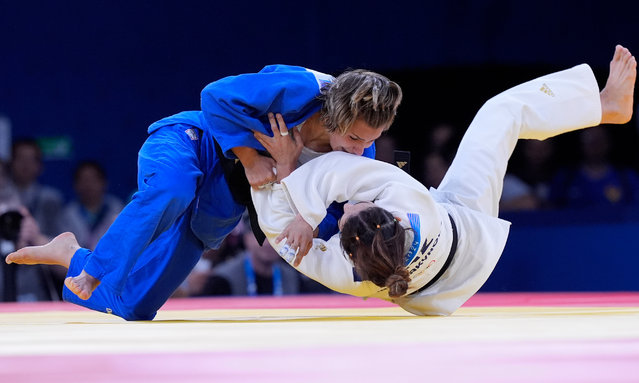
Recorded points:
580,172
32,213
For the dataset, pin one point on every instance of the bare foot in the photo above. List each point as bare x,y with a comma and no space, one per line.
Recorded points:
82,285
617,95
57,252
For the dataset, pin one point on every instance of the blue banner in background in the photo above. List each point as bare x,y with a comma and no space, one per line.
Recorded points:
585,250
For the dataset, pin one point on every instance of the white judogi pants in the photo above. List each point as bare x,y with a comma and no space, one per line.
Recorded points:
545,107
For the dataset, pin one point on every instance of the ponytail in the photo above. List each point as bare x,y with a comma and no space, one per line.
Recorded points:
375,241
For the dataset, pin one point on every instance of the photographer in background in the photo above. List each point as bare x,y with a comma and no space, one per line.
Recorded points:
18,229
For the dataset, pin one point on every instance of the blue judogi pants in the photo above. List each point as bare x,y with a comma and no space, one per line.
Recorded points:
182,206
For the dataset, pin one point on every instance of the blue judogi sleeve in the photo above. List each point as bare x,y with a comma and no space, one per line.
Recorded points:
236,106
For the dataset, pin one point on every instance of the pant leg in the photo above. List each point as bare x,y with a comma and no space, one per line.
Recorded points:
102,298
547,106
168,173
160,269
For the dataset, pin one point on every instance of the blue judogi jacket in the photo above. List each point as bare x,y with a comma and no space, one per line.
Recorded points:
235,106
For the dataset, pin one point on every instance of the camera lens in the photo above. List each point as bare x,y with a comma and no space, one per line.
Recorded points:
10,225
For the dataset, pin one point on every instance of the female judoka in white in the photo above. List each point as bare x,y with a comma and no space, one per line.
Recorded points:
430,251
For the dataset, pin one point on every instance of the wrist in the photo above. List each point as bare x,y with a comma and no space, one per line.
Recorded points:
247,156
283,170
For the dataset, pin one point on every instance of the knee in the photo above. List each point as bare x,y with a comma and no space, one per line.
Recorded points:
170,192
133,313
132,316
180,195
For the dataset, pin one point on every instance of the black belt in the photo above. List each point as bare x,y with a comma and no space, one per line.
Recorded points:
453,249
240,189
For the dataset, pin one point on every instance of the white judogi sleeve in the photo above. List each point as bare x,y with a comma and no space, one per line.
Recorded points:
339,176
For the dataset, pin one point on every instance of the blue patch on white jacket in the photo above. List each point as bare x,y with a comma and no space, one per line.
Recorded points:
415,224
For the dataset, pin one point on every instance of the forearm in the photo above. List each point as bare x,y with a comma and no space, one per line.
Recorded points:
249,157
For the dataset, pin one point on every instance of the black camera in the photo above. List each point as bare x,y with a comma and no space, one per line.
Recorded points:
10,225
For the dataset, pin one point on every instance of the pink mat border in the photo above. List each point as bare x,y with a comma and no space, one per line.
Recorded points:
571,299
575,361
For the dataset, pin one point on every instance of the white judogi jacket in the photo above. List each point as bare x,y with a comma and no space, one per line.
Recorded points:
470,193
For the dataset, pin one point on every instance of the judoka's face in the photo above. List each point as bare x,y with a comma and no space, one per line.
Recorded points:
351,210
359,137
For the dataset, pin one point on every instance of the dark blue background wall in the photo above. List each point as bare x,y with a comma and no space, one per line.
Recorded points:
579,250
100,72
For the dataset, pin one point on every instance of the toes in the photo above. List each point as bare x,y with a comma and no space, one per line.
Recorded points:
71,284
77,288
13,258
618,51
622,55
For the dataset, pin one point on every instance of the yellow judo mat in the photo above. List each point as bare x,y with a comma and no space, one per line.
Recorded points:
334,338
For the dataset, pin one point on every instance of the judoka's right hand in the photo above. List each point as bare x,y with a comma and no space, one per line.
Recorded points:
260,171
298,235
258,168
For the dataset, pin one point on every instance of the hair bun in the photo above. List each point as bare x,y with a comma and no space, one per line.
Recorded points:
397,285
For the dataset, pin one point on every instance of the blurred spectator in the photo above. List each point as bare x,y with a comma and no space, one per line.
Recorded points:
596,182
44,202
443,139
17,229
231,247
258,270
385,147
442,145
527,185
434,168
93,211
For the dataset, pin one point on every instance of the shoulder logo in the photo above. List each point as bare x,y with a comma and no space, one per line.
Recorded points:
192,134
546,89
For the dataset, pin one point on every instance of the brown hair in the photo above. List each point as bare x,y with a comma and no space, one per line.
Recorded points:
375,242
359,94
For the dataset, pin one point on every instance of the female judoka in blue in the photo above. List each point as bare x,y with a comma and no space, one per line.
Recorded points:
183,203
